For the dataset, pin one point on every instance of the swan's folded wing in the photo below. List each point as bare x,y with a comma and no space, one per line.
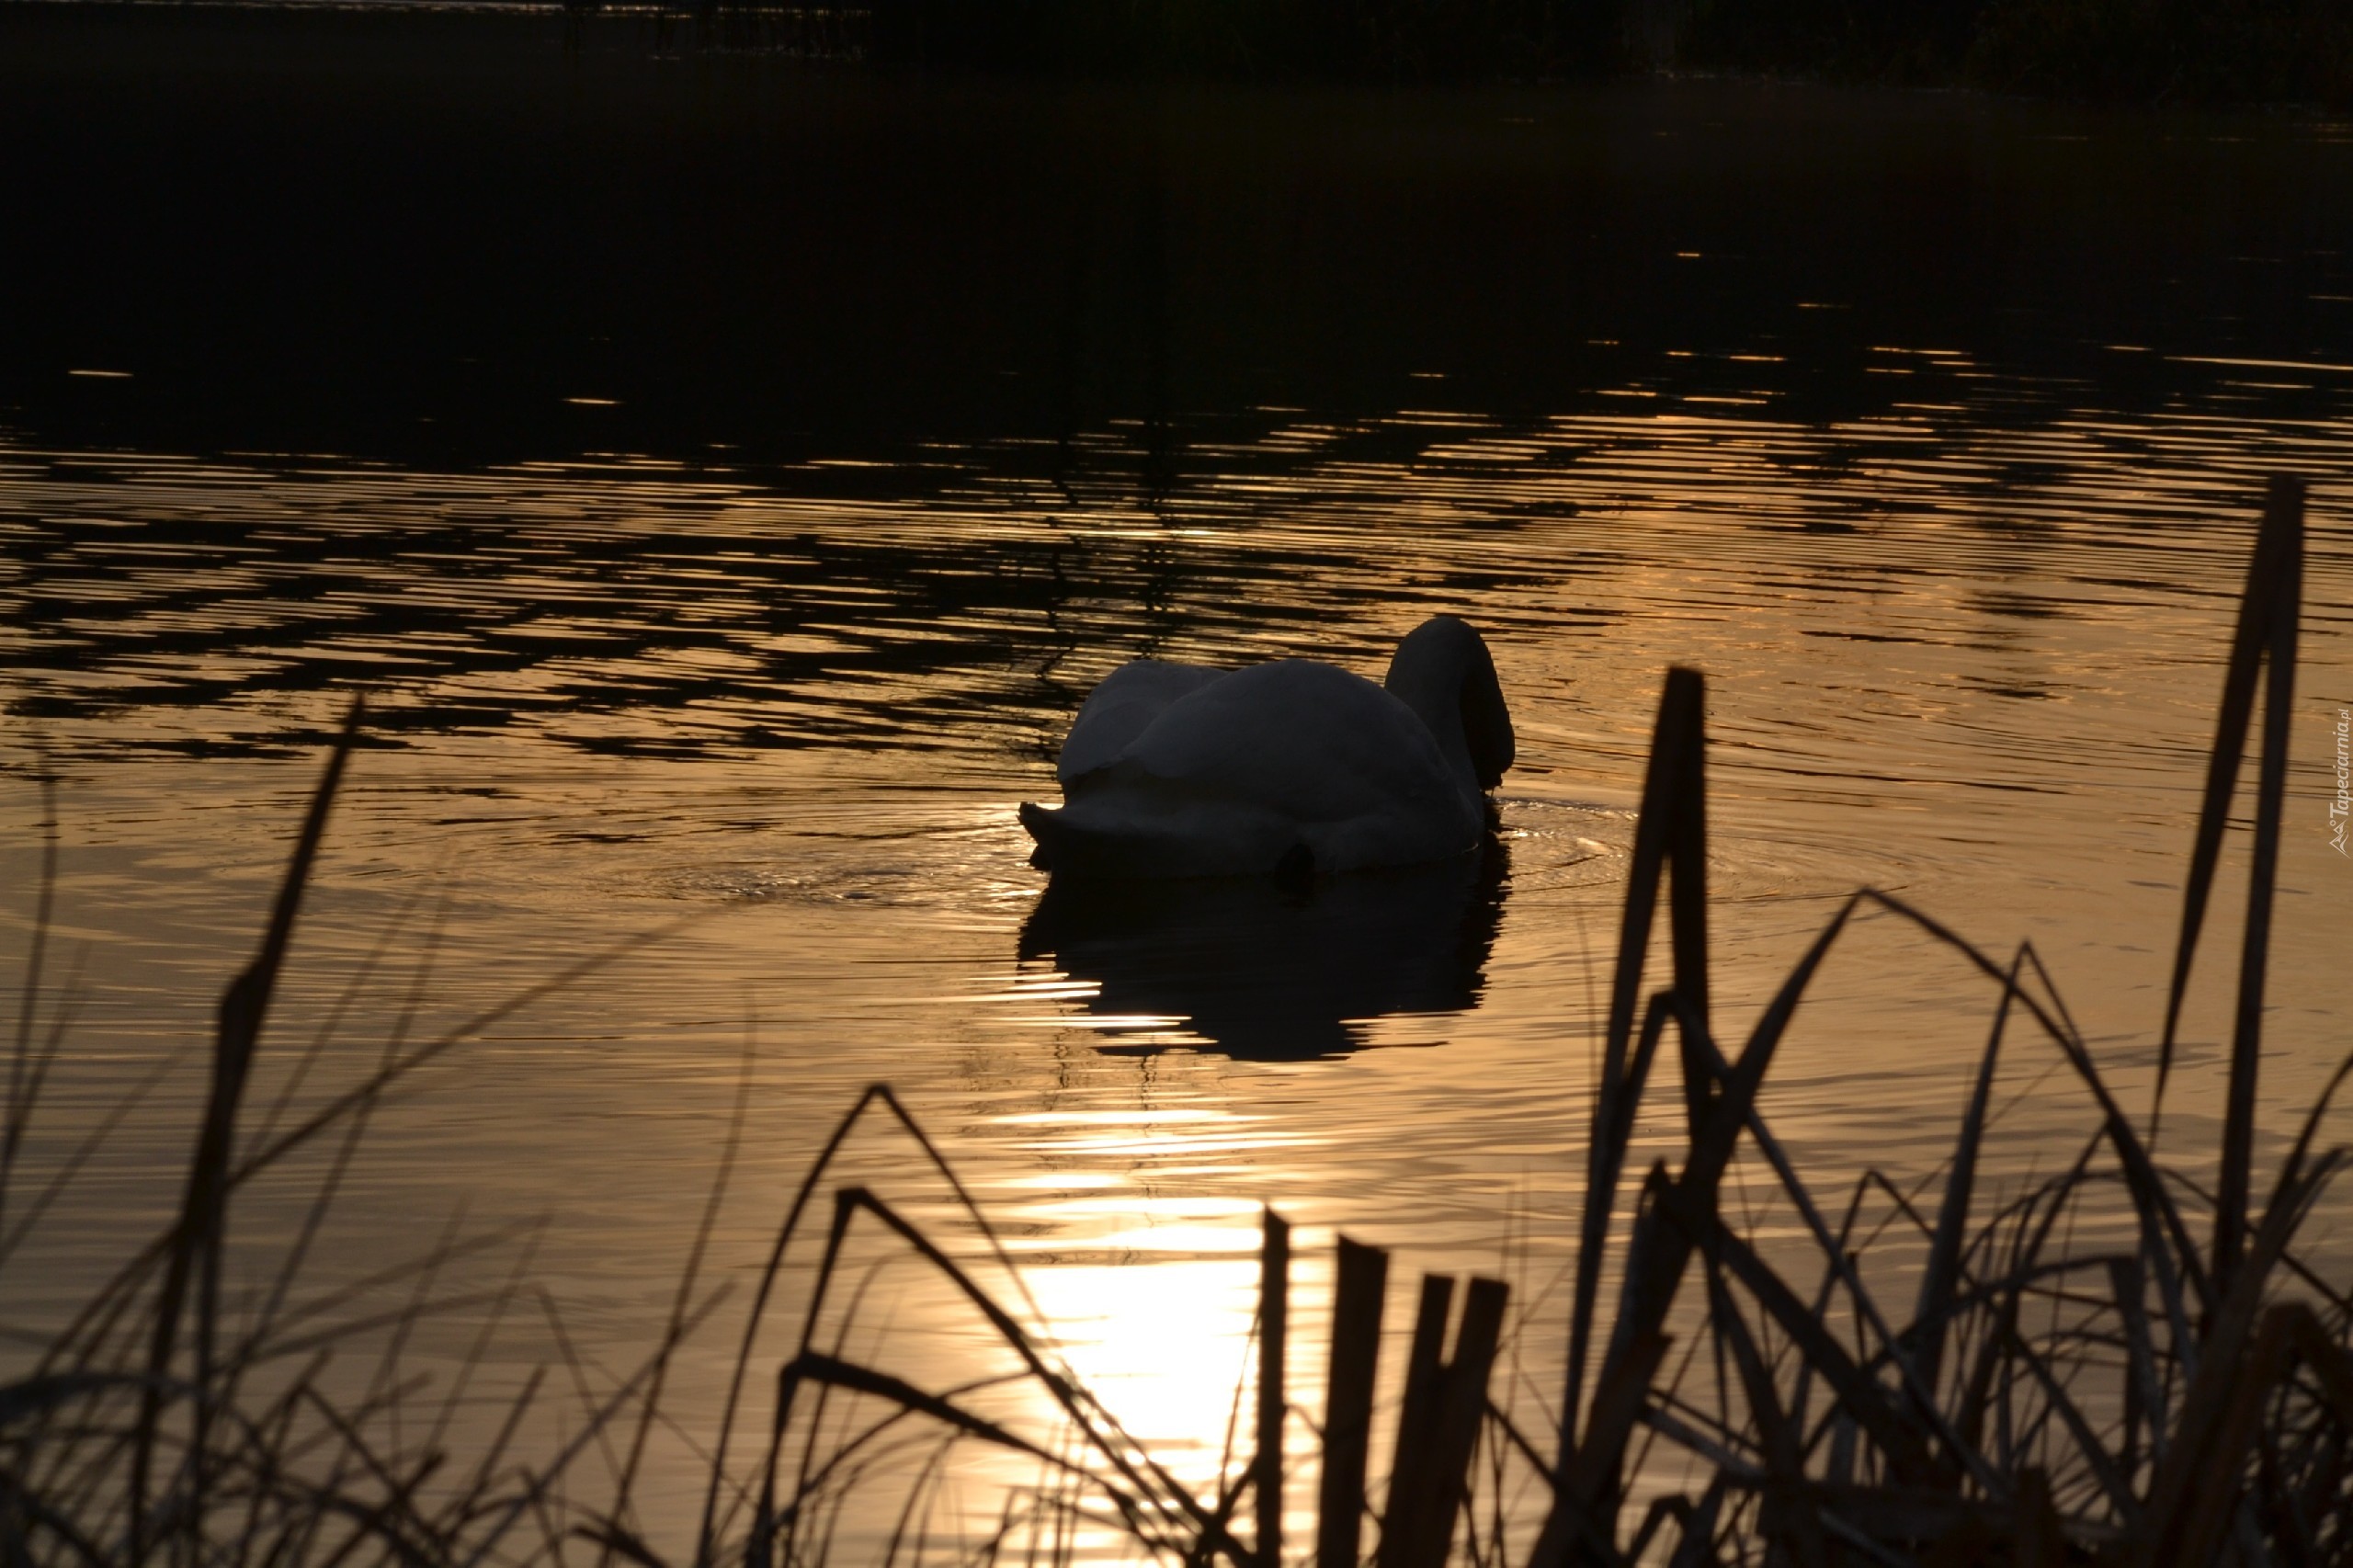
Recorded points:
1305,740
1245,770
1122,708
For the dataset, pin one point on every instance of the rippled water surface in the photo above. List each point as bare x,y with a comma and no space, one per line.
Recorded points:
1960,640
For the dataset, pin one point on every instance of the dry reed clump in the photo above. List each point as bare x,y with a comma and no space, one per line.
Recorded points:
155,1426
2111,1365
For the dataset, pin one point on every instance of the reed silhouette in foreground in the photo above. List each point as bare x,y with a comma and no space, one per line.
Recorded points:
2114,1363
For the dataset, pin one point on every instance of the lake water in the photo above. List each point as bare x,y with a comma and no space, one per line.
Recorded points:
1930,428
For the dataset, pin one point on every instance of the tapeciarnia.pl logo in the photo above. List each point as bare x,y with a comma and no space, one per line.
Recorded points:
2341,808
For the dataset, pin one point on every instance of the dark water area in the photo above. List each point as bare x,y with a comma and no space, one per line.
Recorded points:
417,235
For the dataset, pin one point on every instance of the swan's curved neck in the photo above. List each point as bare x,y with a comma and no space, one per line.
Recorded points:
1442,671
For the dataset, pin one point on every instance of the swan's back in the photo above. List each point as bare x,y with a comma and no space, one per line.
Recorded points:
1121,709
1172,770
1307,739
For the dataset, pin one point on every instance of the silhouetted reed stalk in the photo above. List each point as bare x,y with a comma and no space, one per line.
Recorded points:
2152,1402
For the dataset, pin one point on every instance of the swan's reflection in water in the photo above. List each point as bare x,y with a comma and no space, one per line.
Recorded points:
1270,972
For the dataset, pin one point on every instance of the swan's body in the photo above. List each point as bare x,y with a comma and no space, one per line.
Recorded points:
1174,771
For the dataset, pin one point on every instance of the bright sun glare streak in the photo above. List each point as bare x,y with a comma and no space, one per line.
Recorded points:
1156,1313
1163,1344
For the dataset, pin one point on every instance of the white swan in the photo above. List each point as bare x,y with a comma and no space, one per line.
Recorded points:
1174,771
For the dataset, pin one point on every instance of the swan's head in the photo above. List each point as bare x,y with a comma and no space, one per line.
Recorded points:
1443,672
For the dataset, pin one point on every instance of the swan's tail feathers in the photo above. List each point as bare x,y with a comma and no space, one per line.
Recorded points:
1044,829
1065,842
1097,839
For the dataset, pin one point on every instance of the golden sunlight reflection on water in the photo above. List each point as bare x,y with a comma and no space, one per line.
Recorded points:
1971,663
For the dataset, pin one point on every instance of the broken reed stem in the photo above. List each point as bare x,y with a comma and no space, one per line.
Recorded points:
1437,1430
1274,1341
1360,1285
1417,1419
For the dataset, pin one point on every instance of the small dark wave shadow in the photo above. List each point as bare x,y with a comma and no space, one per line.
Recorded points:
1266,973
